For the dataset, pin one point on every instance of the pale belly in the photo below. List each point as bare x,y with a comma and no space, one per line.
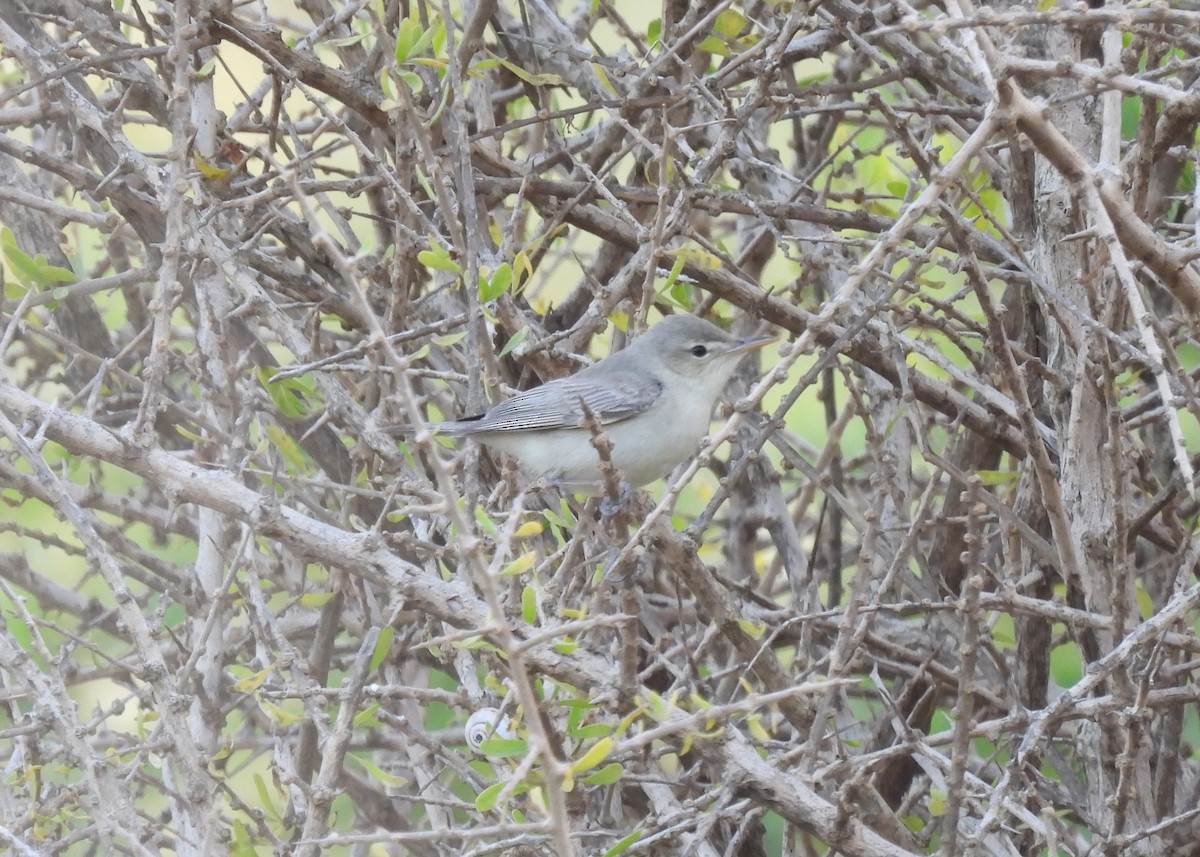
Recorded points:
645,447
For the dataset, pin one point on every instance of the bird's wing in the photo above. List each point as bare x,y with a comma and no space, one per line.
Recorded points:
617,396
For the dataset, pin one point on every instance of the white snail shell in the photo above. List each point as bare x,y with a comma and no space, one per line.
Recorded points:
485,723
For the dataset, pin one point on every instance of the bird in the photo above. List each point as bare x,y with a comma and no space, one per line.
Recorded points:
653,400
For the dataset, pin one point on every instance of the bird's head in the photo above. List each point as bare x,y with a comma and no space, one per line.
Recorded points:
696,350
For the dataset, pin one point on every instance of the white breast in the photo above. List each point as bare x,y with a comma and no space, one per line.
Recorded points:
645,447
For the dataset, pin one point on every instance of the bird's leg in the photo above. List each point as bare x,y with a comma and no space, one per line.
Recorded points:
617,492
611,506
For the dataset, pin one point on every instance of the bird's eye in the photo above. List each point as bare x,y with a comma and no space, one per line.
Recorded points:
699,351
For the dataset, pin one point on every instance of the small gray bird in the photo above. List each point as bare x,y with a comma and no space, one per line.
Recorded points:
654,401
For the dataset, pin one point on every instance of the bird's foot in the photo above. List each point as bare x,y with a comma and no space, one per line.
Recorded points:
611,506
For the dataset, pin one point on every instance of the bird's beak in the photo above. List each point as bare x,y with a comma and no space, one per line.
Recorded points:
751,344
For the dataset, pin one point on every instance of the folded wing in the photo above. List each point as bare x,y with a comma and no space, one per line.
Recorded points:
618,396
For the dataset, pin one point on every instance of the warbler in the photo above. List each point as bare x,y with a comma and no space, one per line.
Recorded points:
653,400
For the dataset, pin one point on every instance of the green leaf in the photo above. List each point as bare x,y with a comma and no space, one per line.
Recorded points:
278,714
515,340
529,604
264,797
485,520
681,293
493,287
503,748
407,34
391,781
592,732
389,91
623,844
656,706
411,79
544,79
485,64
243,843
438,257
448,339
439,38
366,718
529,529
346,41
812,79
714,45
486,800
593,757
520,565
291,395
602,76
291,451
522,266
758,732
436,115
997,477
577,708
729,23
424,40
426,187
937,802
23,267
628,719
1145,602
383,646
469,644
676,269
555,519
33,273
754,629
48,273
606,776
253,682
